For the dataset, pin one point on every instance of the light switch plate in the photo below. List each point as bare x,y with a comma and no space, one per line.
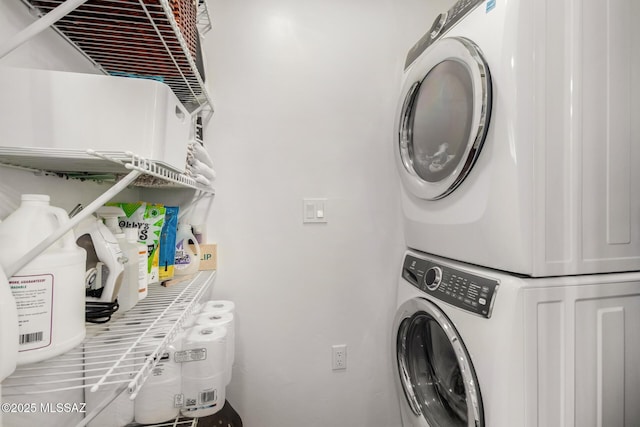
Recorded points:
314,210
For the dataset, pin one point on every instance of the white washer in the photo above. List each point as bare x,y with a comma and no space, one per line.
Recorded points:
518,139
535,352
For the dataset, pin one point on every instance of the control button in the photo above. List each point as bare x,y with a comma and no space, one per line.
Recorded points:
467,301
432,278
482,301
437,25
475,304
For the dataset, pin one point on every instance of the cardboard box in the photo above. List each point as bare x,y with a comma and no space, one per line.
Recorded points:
209,256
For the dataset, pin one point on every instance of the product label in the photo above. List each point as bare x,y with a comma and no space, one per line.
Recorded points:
183,259
192,355
178,400
207,396
142,271
34,300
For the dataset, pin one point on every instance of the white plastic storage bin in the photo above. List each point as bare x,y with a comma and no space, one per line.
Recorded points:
73,111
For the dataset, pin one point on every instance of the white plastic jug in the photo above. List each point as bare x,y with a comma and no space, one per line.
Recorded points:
49,291
187,261
8,331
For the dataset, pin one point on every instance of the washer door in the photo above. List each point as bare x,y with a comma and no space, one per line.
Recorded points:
434,368
444,115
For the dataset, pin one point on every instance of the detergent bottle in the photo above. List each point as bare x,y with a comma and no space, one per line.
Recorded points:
49,290
187,261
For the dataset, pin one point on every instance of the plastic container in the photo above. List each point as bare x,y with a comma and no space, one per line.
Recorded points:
131,234
49,291
8,329
187,261
128,293
138,115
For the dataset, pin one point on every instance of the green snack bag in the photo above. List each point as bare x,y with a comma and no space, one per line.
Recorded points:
149,219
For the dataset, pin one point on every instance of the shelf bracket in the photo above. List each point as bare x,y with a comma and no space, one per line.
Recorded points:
12,269
40,25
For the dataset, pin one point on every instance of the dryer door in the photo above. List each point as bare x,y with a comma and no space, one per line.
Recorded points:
444,114
435,370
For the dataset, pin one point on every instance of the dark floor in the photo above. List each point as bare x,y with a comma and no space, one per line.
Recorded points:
226,417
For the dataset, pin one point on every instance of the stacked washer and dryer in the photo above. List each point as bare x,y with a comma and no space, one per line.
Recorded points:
518,147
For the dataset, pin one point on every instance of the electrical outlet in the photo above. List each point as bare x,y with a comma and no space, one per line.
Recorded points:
339,357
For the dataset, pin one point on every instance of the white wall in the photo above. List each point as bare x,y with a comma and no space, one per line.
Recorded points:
305,96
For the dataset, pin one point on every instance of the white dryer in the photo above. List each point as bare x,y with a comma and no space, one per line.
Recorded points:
517,136
475,347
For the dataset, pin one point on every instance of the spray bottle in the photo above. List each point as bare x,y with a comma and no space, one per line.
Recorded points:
104,269
128,294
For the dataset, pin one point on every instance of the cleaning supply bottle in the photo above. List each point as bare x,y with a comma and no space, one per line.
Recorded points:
128,294
131,234
8,328
187,261
49,290
104,266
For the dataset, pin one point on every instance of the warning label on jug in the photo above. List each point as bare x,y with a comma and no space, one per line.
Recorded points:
34,300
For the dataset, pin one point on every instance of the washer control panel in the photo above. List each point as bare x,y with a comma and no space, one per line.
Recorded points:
456,287
441,24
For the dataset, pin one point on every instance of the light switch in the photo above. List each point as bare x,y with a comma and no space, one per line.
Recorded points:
314,210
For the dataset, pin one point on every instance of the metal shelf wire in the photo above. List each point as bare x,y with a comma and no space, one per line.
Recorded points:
121,353
156,39
97,166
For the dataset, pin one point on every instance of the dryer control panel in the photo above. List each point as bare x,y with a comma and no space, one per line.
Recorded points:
456,287
443,22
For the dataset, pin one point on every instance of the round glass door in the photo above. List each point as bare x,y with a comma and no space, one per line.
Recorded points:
436,371
444,117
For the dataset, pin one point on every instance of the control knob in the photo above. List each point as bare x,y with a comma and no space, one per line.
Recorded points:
437,25
432,278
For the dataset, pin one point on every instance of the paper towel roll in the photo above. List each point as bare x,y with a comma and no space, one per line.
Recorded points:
225,320
203,396
218,306
66,368
159,396
100,355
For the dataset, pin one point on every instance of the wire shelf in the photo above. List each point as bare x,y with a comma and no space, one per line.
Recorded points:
154,39
97,166
121,352
178,422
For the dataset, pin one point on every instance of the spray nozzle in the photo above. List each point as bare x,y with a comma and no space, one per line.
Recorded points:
110,216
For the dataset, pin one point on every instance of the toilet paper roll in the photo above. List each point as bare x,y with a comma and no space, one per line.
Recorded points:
100,355
67,369
204,352
225,320
203,396
158,399
218,306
